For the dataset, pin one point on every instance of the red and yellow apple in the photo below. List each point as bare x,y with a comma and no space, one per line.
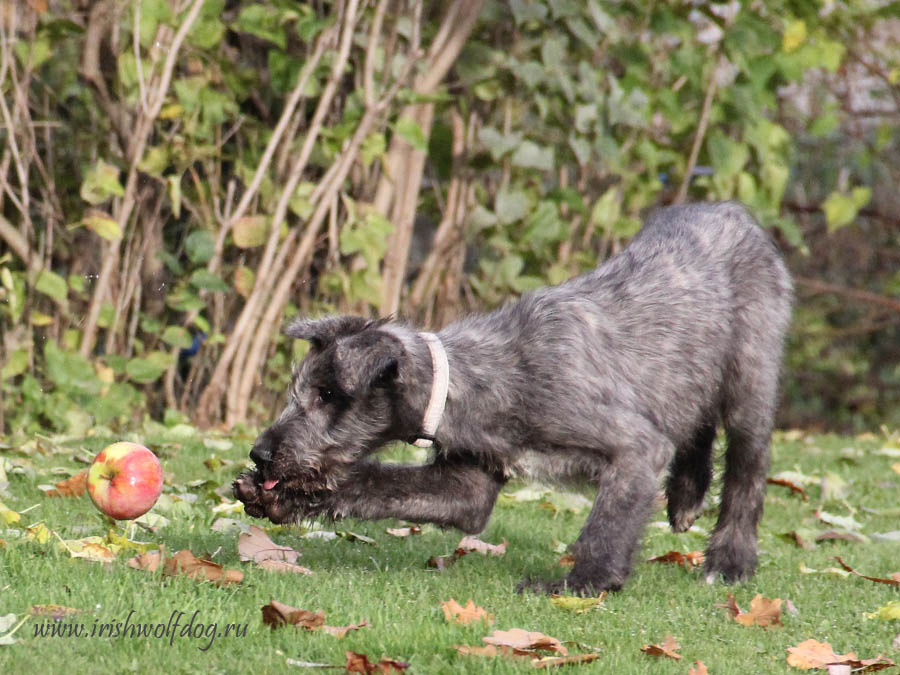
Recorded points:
125,480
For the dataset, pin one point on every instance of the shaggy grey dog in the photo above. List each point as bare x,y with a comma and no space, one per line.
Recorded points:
615,376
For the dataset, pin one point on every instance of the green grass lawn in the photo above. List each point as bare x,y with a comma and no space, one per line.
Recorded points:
389,584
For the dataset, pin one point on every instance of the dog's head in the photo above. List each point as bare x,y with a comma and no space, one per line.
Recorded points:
344,402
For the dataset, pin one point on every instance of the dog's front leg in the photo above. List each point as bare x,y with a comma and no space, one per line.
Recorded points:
630,454
444,493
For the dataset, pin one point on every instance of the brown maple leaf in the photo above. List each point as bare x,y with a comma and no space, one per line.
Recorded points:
687,560
518,638
277,614
186,563
567,560
699,668
456,613
71,487
814,654
764,612
359,663
256,546
669,649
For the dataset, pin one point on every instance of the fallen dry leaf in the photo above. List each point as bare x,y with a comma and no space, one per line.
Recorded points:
699,668
518,638
889,612
282,566
93,552
801,540
831,535
256,546
577,604
442,562
764,612
668,649
687,560
471,544
341,631
466,545
554,661
359,663
278,614
186,563
814,654
893,581
567,560
492,651
456,613
149,561
790,485
403,531
72,487
56,612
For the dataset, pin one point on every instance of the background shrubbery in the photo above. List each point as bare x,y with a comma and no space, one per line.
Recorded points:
178,176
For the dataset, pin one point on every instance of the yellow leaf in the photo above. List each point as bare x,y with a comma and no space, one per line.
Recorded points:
794,35
890,612
896,467
91,548
38,533
576,604
9,516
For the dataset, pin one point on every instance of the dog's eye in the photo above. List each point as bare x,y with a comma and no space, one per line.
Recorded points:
325,395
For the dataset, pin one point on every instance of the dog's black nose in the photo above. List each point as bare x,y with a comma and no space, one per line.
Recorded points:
261,454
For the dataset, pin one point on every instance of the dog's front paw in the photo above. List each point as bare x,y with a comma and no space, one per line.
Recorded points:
575,584
263,500
268,499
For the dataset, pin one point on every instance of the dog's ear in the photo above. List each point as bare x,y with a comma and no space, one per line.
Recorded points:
322,332
367,358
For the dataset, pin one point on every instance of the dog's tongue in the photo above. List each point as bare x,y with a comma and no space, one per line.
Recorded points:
269,484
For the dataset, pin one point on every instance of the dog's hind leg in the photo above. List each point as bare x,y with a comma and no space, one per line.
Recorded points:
689,478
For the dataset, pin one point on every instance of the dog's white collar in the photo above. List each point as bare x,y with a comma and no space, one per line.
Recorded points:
440,384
